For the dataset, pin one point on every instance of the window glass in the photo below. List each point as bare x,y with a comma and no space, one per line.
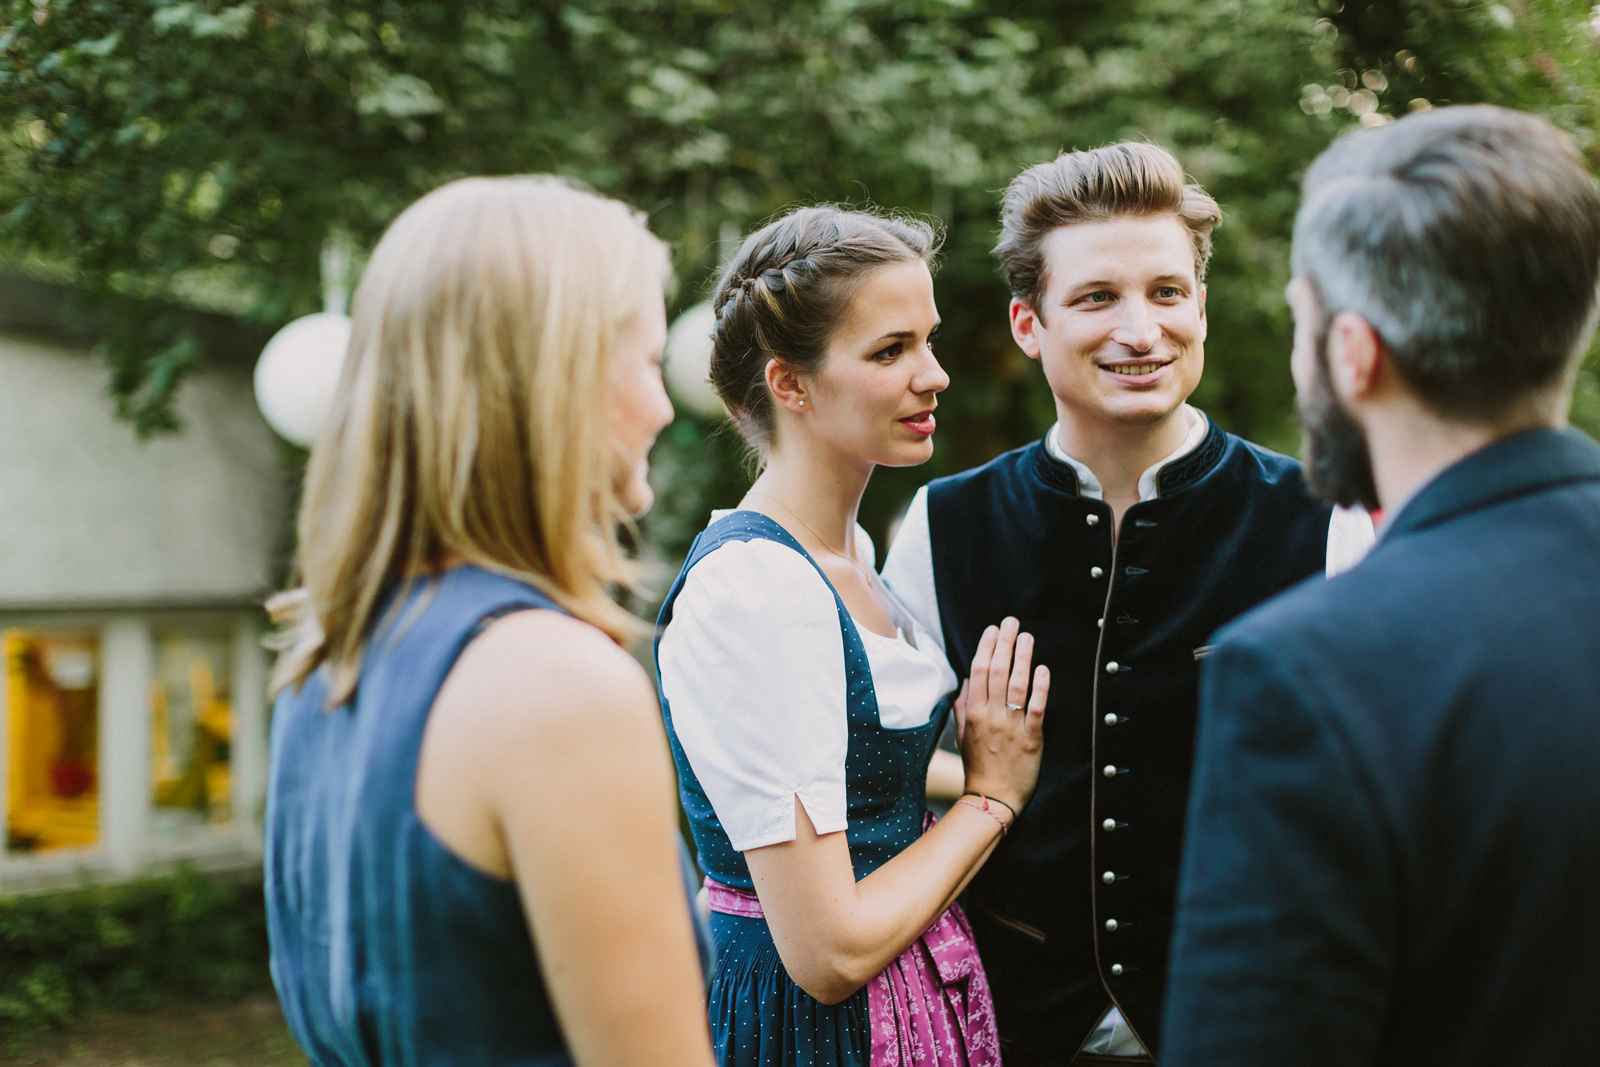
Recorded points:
52,723
191,720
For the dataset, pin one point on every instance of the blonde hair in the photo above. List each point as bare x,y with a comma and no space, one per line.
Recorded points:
472,419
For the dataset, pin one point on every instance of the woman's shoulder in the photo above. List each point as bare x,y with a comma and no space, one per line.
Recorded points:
540,711
532,669
762,571
745,599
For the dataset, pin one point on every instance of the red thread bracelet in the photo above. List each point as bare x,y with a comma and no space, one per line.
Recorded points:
1005,827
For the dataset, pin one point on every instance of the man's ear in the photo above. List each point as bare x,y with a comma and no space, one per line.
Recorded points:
785,386
1202,298
1025,326
1355,356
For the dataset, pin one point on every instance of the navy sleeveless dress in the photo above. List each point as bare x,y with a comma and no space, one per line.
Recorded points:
385,947
759,1016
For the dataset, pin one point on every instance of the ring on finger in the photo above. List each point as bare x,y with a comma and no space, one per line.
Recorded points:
1013,707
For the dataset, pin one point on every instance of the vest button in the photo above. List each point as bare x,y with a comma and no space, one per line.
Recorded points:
1092,519
1110,771
1095,572
1109,877
1113,667
1111,924
1111,718
1116,968
1109,825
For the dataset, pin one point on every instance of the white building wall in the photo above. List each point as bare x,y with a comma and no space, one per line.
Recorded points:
105,533
91,514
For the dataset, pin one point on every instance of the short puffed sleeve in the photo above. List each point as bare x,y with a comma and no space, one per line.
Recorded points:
752,669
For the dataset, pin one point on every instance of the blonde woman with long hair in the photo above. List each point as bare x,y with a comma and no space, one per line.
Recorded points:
471,852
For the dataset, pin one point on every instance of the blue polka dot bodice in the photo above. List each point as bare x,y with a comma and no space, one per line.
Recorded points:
885,768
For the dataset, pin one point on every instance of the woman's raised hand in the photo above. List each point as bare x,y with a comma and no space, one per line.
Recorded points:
1000,725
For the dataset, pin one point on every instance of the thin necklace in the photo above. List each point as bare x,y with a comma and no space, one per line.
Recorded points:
865,572
897,619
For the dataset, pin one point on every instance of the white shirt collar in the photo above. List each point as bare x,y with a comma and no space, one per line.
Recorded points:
1089,486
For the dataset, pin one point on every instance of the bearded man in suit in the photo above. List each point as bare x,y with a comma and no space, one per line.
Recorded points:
1393,842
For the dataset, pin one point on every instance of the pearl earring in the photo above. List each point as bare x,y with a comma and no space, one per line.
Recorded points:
802,403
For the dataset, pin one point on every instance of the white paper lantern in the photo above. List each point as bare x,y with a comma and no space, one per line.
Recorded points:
687,363
298,372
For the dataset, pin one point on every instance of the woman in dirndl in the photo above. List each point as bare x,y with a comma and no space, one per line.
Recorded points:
803,703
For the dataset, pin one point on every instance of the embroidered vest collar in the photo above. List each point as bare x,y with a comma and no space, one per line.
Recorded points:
1175,476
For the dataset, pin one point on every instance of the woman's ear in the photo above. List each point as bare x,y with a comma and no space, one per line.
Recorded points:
785,386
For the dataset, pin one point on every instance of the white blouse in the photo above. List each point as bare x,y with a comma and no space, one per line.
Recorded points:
752,667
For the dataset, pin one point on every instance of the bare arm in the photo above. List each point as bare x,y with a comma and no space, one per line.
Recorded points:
834,933
947,779
549,736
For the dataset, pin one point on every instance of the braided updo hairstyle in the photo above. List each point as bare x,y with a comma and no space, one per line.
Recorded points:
786,292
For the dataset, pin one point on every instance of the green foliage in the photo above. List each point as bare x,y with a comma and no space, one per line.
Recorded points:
205,150
130,946
202,151
1536,55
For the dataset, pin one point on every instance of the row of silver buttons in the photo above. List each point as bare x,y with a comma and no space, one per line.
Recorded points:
1111,720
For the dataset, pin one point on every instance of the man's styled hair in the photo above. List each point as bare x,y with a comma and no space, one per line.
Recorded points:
1131,178
1469,238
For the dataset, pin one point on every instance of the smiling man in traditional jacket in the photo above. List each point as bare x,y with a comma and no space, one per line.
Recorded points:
1121,540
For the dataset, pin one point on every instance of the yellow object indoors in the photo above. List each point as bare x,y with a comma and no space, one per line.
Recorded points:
52,739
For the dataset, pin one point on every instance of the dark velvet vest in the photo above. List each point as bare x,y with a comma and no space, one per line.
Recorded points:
1073,912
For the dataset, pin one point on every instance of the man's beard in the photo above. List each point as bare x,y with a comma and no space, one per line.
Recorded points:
1338,462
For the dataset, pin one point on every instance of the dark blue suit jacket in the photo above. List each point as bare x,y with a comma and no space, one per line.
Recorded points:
1393,846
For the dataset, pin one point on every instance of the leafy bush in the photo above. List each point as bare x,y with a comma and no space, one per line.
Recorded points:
128,947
